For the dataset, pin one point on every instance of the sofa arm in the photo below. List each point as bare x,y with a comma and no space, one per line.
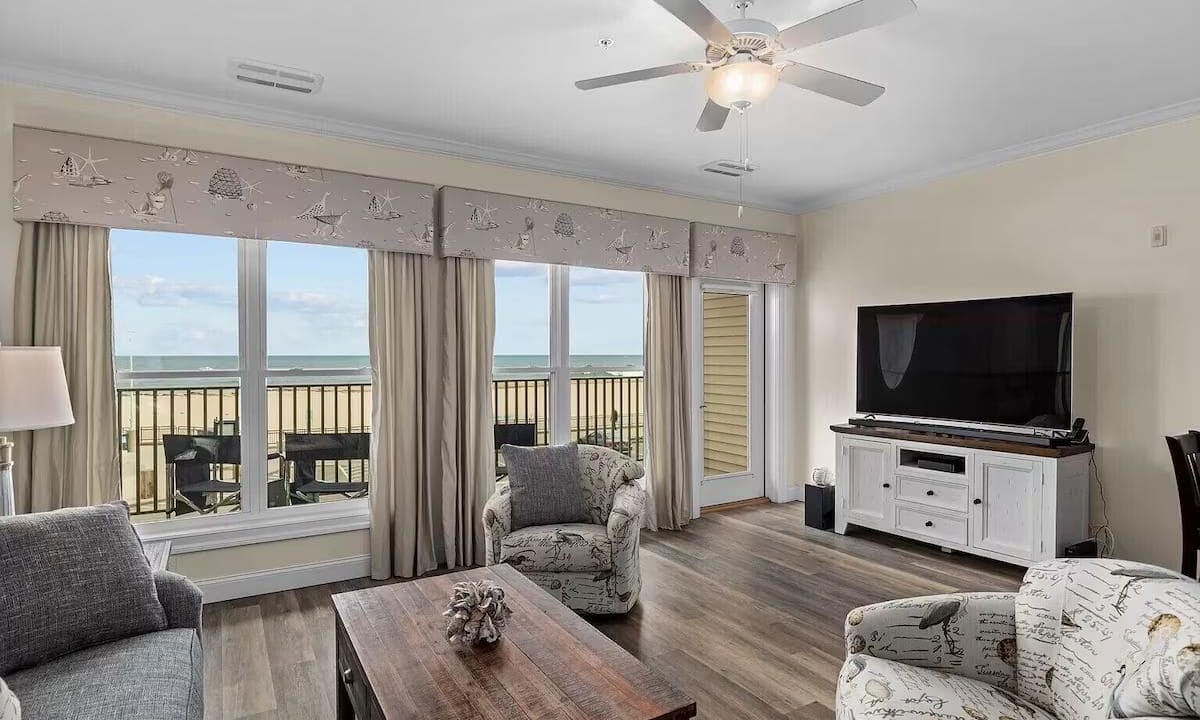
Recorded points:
180,598
629,503
969,634
624,532
497,521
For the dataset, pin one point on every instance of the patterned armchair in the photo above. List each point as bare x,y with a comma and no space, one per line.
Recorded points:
591,567
1081,640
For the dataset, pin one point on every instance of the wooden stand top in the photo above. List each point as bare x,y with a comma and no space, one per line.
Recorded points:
550,662
1004,446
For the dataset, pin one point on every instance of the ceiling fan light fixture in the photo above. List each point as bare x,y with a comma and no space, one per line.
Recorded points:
741,83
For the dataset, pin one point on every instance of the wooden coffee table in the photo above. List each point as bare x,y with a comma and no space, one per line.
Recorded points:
394,663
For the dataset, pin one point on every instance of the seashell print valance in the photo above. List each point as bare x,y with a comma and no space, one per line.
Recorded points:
507,227
62,177
734,254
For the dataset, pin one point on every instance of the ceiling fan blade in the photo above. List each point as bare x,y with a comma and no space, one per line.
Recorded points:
712,118
637,75
700,19
830,84
858,15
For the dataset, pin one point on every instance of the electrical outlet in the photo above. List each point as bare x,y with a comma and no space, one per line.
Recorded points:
1158,236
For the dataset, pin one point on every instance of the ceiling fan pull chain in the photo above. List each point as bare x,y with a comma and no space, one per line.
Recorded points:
743,152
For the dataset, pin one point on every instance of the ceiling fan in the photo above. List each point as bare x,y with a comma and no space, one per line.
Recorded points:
743,56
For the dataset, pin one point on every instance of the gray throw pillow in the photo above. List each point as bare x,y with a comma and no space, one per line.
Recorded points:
70,579
544,485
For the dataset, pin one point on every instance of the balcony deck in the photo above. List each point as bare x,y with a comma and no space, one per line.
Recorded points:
605,410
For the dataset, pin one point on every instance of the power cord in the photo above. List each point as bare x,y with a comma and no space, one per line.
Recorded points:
1106,539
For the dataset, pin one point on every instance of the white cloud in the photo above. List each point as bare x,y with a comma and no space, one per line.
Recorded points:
154,291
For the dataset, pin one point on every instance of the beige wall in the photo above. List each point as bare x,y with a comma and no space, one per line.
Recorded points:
34,107
212,564
1078,220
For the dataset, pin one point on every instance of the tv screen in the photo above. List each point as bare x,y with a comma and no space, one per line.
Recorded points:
1003,361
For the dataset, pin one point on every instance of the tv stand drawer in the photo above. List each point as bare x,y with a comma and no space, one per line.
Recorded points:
936,526
946,494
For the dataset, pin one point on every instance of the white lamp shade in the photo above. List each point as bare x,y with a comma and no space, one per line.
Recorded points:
746,83
33,389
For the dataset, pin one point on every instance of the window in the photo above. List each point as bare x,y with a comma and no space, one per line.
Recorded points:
607,367
318,377
521,361
568,360
243,376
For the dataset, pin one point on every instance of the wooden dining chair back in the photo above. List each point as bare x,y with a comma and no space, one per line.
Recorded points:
1185,457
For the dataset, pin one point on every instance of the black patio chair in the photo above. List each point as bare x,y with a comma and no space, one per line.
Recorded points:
522,434
302,452
193,472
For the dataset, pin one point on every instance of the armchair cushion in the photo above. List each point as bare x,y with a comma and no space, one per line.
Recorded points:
544,483
157,676
1109,638
967,634
71,579
558,548
871,687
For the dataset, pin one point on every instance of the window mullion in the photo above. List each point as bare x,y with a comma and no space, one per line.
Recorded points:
252,373
560,374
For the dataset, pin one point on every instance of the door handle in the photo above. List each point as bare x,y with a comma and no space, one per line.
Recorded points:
977,501
887,485
928,523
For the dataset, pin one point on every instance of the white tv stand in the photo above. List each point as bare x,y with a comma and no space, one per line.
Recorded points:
1003,500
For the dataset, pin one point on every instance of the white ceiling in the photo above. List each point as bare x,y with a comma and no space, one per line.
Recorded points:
493,79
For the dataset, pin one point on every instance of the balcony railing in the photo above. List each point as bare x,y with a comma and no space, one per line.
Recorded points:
604,411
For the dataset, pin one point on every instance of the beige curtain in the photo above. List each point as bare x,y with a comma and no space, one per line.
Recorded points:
431,333
468,441
404,459
668,407
64,298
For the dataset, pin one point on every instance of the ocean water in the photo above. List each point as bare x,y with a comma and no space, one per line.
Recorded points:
182,363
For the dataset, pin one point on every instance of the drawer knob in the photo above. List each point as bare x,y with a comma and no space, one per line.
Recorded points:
348,675
977,501
929,492
928,523
887,484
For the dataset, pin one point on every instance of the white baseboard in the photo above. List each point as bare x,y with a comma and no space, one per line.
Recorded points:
243,585
792,493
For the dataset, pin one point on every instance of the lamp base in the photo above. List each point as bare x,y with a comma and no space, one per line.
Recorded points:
8,501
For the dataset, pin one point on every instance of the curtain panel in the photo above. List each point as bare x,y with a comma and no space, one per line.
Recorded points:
468,439
478,224
405,457
668,400
64,298
67,178
432,323
726,253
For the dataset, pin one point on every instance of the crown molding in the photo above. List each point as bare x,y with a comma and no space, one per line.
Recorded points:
370,134
190,103
1043,146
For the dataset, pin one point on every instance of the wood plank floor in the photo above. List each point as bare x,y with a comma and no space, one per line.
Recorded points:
743,610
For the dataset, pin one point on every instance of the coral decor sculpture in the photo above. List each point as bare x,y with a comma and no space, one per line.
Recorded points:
477,612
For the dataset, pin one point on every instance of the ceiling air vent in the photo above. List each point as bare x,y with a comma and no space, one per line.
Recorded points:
267,74
728,168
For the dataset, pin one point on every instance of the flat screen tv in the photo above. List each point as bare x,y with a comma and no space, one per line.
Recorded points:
1002,361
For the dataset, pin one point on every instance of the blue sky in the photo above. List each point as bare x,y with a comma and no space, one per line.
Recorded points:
176,294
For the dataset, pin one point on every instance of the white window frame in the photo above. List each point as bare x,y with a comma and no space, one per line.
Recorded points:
255,522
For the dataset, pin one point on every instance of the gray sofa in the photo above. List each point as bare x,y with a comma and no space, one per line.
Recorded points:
87,629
